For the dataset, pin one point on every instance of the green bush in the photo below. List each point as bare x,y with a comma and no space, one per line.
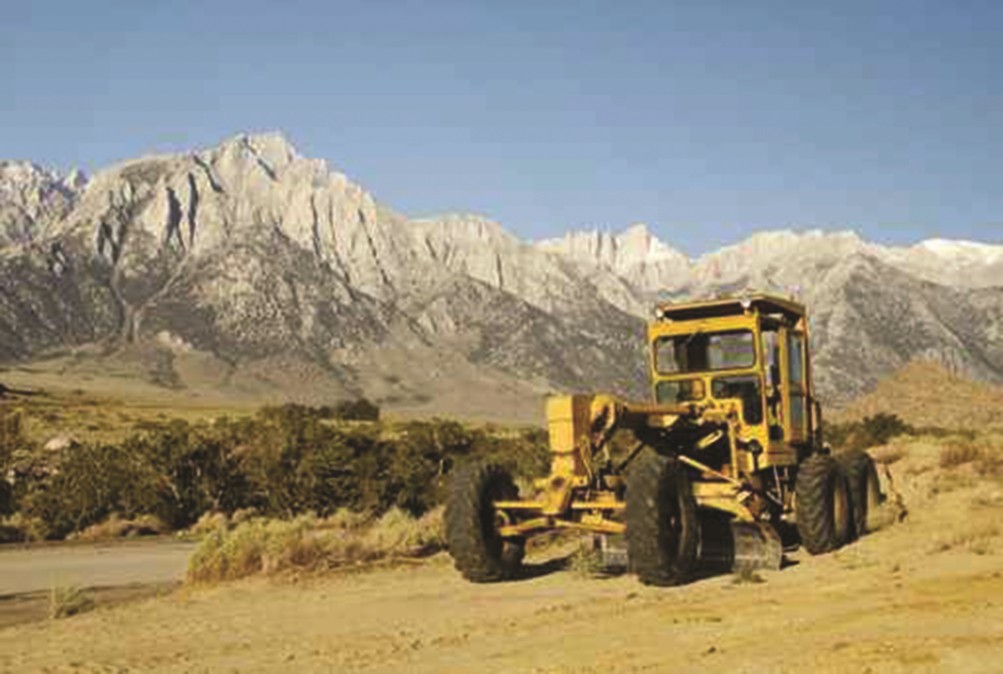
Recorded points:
12,441
282,462
869,432
357,410
86,485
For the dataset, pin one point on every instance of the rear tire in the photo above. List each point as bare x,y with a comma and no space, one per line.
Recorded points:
865,491
479,553
662,528
823,504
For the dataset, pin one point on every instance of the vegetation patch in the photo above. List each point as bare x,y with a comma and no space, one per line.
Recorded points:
309,543
119,527
278,463
980,540
983,452
586,561
68,601
868,432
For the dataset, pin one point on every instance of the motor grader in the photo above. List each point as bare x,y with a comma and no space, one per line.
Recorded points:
729,465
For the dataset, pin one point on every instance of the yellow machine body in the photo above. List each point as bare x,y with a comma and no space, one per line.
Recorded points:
732,398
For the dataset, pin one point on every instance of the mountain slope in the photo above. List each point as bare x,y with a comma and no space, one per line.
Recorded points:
259,258
250,270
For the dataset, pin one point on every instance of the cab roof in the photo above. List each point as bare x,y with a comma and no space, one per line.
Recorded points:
763,303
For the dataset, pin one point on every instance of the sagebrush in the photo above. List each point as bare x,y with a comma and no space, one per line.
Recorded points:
309,543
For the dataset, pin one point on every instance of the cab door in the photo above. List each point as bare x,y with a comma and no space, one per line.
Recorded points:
796,406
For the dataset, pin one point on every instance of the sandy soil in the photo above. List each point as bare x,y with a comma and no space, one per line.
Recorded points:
922,595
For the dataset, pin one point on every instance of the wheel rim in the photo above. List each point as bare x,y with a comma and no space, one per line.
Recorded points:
840,509
872,497
492,518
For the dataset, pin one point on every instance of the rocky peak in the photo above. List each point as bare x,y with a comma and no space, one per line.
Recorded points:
763,254
959,247
949,261
634,254
30,197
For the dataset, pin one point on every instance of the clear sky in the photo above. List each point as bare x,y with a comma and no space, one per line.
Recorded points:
708,120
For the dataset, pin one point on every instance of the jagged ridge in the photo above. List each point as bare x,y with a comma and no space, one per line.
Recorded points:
252,254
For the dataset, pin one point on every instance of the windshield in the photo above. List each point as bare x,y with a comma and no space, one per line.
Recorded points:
700,352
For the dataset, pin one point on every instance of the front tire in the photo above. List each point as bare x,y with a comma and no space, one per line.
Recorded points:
662,527
823,504
479,553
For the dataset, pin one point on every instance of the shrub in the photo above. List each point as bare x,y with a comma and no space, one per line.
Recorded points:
984,452
279,463
193,468
118,527
12,436
397,532
68,601
208,523
12,441
6,496
586,561
308,543
11,534
357,410
869,432
85,486
957,452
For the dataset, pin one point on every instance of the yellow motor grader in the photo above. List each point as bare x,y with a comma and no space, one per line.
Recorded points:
728,457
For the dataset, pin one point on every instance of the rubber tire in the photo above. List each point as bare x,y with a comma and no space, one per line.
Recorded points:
818,478
479,553
865,490
663,533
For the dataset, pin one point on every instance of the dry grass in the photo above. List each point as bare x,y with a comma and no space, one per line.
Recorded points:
980,540
68,601
586,561
117,527
746,576
308,543
887,454
983,452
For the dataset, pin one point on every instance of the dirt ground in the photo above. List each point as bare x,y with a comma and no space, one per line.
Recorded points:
921,595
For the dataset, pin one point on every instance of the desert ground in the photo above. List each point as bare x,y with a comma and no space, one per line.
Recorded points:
923,593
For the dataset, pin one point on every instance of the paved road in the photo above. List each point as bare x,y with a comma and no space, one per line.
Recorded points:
35,568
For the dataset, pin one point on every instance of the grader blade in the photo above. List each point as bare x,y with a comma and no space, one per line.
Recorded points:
612,551
757,546
737,546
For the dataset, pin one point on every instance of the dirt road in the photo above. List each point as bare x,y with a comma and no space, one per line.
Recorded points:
37,568
925,595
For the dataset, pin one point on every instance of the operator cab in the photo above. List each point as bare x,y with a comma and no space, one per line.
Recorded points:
751,349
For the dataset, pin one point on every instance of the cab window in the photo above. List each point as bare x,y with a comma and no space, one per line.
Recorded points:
700,352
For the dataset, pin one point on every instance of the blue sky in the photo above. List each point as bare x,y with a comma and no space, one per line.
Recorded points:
707,120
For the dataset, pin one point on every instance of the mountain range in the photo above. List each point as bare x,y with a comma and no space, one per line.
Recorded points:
248,271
